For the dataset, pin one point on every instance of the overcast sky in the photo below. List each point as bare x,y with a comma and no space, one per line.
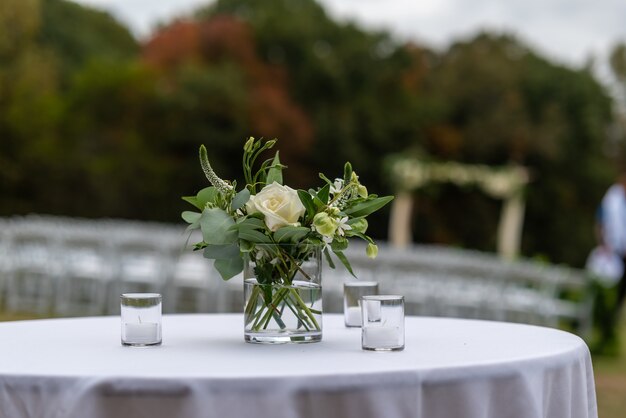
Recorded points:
567,30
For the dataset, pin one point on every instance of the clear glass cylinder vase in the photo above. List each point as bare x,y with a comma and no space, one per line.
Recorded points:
283,294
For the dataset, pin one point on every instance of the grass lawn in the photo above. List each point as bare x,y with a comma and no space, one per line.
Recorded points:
610,375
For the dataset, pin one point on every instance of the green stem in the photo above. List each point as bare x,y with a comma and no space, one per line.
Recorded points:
290,298
306,309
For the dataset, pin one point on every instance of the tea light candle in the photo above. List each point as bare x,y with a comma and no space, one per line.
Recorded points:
142,333
383,322
352,293
382,337
141,319
353,316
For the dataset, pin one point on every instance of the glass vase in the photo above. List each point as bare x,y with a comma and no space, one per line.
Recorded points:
283,294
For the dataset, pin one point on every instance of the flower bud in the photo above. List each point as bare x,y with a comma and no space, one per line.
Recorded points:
362,190
324,224
248,146
333,211
359,225
372,250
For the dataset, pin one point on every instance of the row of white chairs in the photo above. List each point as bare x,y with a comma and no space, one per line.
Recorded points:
63,266
67,266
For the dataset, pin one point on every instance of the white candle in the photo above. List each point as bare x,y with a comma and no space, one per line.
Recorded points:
353,316
142,333
374,311
382,337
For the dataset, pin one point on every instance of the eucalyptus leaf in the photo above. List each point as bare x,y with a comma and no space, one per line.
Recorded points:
367,207
254,236
221,251
206,195
215,225
194,201
275,173
249,223
229,267
191,217
240,199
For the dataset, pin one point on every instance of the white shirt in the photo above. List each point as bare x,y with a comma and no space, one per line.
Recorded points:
614,219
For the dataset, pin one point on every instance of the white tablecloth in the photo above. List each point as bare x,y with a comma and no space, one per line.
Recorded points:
449,369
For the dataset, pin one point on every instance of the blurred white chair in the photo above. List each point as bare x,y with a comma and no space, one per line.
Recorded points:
138,266
188,290
5,258
83,286
33,274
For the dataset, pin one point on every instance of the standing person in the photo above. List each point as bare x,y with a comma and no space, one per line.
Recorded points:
613,229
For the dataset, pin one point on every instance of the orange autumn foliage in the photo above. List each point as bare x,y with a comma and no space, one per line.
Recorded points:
271,111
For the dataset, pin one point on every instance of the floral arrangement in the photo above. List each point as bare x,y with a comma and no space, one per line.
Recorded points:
267,212
278,227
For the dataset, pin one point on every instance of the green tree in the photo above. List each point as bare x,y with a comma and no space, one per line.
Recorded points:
78,34
30,105
346,80
503,103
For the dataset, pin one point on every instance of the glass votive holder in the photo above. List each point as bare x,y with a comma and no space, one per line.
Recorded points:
141,319
383,323
352,294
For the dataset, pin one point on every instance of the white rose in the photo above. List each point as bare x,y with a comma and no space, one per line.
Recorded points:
280,205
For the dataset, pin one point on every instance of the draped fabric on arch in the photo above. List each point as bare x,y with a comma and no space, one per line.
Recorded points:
506,183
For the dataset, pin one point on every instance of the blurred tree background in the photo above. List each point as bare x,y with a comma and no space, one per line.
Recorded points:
94,123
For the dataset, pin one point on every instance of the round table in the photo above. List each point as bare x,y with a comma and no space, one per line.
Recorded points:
450,368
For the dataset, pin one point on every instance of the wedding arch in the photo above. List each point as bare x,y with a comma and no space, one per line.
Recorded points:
506,183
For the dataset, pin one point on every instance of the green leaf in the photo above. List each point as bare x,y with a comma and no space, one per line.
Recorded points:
229,267
363,237
367,207
215,224
321,198
191,217
221,251
275,173
249,223
240,199
254,236
344,260
291,233
329,259
194,201
206,195
307,201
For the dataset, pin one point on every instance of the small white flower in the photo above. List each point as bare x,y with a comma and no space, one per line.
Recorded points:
342,226
336,186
